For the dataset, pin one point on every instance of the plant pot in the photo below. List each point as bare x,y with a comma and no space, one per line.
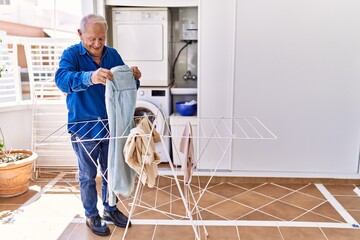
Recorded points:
15,176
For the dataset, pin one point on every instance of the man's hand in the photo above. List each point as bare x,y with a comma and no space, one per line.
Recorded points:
136,72
100,76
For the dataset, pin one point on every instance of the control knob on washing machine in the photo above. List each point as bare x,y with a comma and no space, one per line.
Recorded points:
141,93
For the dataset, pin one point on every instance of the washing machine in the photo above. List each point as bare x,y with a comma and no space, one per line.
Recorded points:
155,102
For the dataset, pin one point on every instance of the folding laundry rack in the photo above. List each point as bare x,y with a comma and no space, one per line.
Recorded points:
223,131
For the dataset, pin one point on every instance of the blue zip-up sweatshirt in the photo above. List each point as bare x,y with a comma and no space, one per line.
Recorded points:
85,101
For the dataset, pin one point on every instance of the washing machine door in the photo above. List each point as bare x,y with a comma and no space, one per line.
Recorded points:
155,115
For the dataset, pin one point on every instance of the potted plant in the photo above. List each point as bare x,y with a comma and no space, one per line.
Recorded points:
15,169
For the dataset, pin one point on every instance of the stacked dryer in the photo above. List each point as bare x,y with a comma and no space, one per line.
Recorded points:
141,36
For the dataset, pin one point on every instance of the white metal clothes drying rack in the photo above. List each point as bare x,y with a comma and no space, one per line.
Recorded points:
222,131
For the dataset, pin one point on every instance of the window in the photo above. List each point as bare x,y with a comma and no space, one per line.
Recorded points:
4,2
21,19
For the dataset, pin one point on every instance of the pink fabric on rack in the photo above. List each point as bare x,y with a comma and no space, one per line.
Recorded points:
187,148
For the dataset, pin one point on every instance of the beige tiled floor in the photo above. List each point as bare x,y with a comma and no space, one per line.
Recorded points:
230,210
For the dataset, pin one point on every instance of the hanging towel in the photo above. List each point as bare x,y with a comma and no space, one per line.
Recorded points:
140,151
187,148
120,106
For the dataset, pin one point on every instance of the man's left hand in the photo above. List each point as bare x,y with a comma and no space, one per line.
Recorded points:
136,72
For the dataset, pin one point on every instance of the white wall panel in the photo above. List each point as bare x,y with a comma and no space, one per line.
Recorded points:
16,125
297,69
216,68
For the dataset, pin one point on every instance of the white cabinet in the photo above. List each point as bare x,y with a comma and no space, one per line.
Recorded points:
216,67
299,75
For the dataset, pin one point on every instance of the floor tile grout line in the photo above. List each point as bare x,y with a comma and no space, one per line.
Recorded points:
227,198
167,213
205,189
322,231
214,213
273,200
238,232
307,211
281,235
258,209
279,199
338,207
253,210
251,190
309,195
249,223
154,233
155,208
295,191
319,214
176,198
247,190
216,194
113,233
230,198
69,235
265,213
288,188
149,208
298,190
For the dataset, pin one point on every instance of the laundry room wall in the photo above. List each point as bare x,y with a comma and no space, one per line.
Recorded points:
184,57
16,126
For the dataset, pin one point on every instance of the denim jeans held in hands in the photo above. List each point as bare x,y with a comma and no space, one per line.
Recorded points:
120,99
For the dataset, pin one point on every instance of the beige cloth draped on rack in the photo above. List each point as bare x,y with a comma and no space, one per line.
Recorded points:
187,148
139,150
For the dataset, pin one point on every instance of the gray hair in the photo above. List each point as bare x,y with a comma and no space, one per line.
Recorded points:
92,18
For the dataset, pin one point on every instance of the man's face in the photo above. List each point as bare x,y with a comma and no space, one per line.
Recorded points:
94,38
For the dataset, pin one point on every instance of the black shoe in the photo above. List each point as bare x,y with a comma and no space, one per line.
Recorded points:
117,217
97,226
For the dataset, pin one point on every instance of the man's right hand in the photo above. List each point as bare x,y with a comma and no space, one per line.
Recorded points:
101,75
